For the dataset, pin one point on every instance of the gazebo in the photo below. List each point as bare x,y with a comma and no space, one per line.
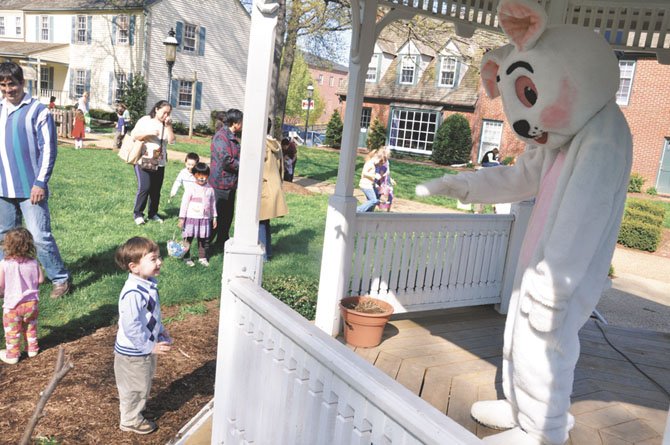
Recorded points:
283,380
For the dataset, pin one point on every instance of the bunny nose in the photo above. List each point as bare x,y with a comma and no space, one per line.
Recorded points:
522,128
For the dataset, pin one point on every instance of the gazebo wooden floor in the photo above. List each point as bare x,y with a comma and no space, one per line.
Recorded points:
452,358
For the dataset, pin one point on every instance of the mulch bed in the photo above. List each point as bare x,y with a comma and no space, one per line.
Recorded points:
84,409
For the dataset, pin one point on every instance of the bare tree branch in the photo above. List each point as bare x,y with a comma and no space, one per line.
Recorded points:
63,366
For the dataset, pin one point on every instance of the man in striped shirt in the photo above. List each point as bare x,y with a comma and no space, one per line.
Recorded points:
27,157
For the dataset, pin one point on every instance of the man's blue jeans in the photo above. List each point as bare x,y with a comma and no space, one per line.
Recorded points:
38,223
371,203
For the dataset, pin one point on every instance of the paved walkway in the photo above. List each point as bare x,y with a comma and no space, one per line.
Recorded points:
640,293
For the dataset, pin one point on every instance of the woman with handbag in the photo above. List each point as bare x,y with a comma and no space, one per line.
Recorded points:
155,130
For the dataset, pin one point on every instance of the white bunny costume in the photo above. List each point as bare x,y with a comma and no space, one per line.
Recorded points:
558,86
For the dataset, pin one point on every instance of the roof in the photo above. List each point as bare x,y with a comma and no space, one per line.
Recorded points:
74,5
24,49
424,34
314,61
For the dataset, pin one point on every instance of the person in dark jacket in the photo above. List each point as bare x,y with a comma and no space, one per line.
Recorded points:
224,166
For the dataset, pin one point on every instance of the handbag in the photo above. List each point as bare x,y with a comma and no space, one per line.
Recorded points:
148,164
131,149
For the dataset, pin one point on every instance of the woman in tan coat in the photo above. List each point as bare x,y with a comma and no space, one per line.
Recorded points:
273,203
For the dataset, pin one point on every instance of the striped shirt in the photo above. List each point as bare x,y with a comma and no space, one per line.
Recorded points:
27,147
140,324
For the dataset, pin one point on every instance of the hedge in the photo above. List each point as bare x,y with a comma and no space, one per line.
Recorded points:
647,206
642,216
298,292
639,235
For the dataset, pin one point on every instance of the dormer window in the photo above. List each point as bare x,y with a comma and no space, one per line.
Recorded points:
371,75
407,70
447,74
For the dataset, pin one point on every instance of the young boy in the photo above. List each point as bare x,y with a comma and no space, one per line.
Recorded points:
141,335
185,176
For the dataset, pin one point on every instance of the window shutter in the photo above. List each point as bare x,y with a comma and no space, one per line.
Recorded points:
51,28
457,74
114,30
174,90
415,80
88,85
51,78
131,31
30,88
130,79
198,95
201,42
179,30
89,24
110,92
37,28
72,84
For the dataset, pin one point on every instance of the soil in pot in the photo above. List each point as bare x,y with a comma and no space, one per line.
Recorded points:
364,320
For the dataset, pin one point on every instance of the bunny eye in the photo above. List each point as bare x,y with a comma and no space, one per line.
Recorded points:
526,91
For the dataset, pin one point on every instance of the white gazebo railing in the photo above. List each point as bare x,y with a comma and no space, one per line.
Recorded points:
430,261
281,380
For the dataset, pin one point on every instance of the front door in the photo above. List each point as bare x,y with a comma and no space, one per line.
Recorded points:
663,181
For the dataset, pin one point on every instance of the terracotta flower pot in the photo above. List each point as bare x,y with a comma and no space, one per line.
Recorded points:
364,328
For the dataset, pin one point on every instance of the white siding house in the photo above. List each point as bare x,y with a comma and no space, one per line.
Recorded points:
72,46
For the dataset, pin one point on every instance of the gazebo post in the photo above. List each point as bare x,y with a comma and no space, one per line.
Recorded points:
341,217
243,256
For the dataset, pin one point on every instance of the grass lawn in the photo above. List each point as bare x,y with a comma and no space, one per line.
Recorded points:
199,145
91,202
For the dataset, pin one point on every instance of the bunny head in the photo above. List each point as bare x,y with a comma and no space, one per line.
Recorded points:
552,79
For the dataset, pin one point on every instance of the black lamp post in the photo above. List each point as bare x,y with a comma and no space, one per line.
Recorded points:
170,43
310,91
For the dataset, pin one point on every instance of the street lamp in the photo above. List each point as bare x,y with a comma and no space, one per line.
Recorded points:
310,91
170,43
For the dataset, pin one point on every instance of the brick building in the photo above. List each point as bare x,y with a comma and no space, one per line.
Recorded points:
328,77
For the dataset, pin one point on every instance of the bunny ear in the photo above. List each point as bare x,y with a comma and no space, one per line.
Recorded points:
522,21
490,65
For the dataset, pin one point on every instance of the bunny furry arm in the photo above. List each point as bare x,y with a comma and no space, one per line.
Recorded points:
493,184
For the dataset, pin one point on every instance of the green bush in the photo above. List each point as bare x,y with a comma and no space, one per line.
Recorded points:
635,183
647,206
297,292
652,191
453,141
103,115
639,235
642,216
334,130
507,160
135,98
204,129
179,128
376,135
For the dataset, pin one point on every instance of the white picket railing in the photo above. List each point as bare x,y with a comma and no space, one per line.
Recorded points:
281,380
430,261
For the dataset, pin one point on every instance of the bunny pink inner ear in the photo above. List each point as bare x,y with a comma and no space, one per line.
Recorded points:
522,23
489,78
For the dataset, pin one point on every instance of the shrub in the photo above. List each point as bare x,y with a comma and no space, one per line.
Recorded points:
453,141
179,128
103,115
641,225
376,135
508,160
652,191
334,130
135,98
635,183
204,129
297,292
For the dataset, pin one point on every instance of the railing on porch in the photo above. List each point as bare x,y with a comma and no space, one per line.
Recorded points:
64,122
282,380
62,97
430,261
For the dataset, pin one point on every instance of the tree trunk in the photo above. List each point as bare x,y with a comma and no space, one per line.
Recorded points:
276,65
287,61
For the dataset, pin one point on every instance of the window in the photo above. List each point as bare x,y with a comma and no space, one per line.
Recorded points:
626,72
407,67
79,82
80,31
320,79
46,79
366,115
122,29
45,27
448,72
331,81
341,82
371,75
121,83
185,93
19,28
190,33
2,26
413,130
491,137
